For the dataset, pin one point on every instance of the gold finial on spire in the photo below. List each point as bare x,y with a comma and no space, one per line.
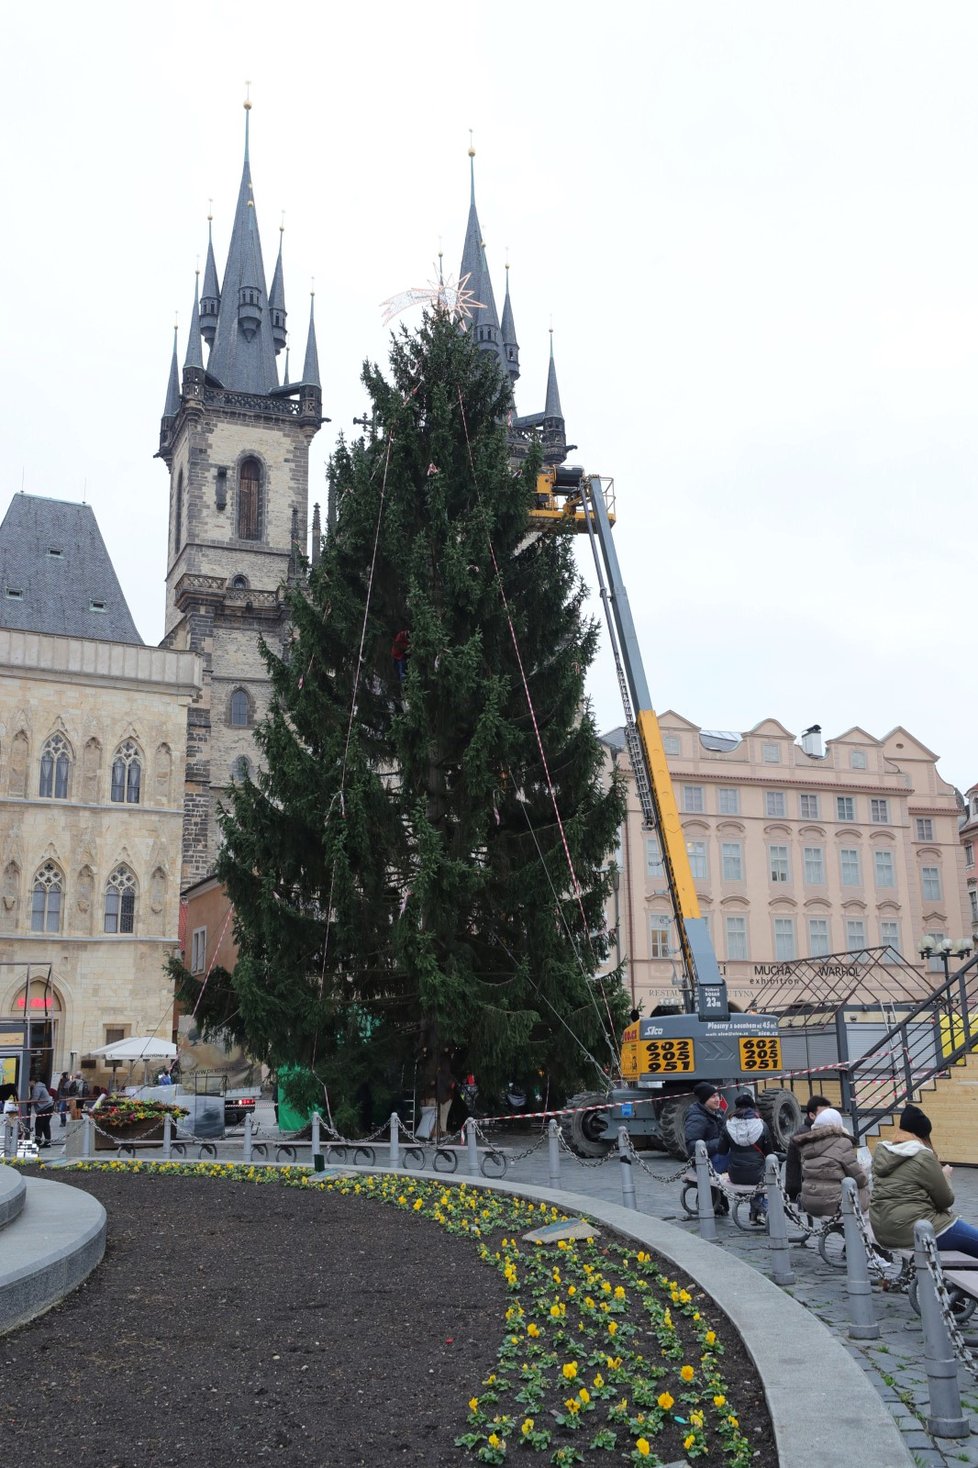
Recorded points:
247,101
471,145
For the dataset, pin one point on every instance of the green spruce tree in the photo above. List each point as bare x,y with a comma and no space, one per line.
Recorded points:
409,873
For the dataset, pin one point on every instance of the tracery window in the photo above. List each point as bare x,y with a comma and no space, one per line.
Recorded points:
127,772
240,709
120,901
55,768
249,500
46,897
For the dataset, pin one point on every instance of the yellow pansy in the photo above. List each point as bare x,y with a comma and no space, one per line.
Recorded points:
642,1447
687,1373
569,1370
666,1402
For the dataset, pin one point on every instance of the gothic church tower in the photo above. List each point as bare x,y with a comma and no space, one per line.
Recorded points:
236,443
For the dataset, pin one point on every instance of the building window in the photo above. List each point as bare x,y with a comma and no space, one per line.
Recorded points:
693,799
855,934
774,803
55,768
814,866
698,864
120,902
728,800
969,853
732,859
883,861
925,828
198,950
240,709
249,500
879,811
935,964
845,808
659,935
239,583
46,900
736,937
890,937
241,769
808,806
973,901
127,768
778,863
857,759
771,754
818,937
653,857
930,883
672,744
784,939
849,867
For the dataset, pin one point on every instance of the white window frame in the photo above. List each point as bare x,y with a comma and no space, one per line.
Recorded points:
890,935
728,800
660,934
845,808
884,867
732,857
693,801
771,754
808,806
855,941
814,858
699,860
735,930
879,810
198,950
784,939
969,853
672,744
931,888
774,805
820,943
849,863
778,867
924,828
857,759
654,866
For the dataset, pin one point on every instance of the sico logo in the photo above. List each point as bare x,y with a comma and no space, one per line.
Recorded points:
653,1031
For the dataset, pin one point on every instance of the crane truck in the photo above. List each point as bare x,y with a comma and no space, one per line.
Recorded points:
664,1055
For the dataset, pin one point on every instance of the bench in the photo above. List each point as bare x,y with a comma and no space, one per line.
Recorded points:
493,1160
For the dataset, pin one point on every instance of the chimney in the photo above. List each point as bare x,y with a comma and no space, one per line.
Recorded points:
811,742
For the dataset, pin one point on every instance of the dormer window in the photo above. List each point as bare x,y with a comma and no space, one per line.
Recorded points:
53,551
96,606
249,500
14,593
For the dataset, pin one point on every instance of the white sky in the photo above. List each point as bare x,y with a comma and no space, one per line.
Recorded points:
754,227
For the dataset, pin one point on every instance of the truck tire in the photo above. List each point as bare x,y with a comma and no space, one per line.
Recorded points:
782,1113
582,1130
672,1125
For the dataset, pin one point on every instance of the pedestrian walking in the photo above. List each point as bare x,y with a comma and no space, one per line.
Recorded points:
43,1104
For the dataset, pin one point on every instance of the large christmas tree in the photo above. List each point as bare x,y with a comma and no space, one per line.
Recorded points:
422,863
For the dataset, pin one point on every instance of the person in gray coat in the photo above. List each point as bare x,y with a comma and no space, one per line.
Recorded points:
828,1154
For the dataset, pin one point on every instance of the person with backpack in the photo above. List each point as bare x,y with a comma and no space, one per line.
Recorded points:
43,1104
747,1143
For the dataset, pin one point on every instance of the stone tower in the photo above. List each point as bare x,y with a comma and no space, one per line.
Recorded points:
236,443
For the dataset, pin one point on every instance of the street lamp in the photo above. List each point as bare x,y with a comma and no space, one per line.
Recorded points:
945,949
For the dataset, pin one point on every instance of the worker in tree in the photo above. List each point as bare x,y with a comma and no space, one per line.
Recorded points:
400,648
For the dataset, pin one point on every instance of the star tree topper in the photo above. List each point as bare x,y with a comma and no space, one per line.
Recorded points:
446,295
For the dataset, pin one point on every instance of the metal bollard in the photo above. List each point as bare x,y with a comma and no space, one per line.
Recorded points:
316,1148
87,1135
473,1145
625,1160
946,1418
246,1153
704,1195
167,1137
395,1142
777,1225
862,1320
553,1153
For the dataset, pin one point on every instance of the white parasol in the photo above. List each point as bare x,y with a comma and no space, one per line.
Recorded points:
138,1047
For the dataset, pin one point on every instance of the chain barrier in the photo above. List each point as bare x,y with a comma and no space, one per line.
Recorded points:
609,1156
659,1177
961,1348
492,1146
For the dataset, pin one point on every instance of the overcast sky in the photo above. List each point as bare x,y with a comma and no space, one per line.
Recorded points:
753,226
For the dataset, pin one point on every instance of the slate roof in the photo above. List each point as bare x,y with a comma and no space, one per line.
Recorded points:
75,593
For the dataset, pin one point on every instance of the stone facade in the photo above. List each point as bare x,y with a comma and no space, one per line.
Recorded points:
99,862
794,854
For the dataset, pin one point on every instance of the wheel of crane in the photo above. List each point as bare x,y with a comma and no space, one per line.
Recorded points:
672,1124
782,1113
583,1130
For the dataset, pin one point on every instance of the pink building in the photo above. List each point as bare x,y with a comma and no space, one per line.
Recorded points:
798,849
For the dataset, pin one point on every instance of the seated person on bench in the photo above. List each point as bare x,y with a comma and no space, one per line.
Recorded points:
909,1184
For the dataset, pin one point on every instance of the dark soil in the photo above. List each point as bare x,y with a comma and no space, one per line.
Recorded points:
231,1324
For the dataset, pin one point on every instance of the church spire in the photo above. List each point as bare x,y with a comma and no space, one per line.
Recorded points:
194,357
171,406
276,298
210,301
511,347
485,319
243,352
310,368
316,549
554,435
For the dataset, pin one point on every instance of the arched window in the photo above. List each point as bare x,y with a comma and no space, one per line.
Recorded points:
46,900
120,902
240,709
178,513
127,769
239,583
249,500
241,769
55,768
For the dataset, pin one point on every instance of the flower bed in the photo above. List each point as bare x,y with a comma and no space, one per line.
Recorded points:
605,1355
126,1110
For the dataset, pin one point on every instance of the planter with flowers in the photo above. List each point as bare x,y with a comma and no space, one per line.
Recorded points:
129,1119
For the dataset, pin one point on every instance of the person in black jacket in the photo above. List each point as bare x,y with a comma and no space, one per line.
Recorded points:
748,1143
792,1163
704,1123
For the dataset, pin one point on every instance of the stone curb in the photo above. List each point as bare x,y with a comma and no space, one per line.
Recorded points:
49,1250
13,1191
